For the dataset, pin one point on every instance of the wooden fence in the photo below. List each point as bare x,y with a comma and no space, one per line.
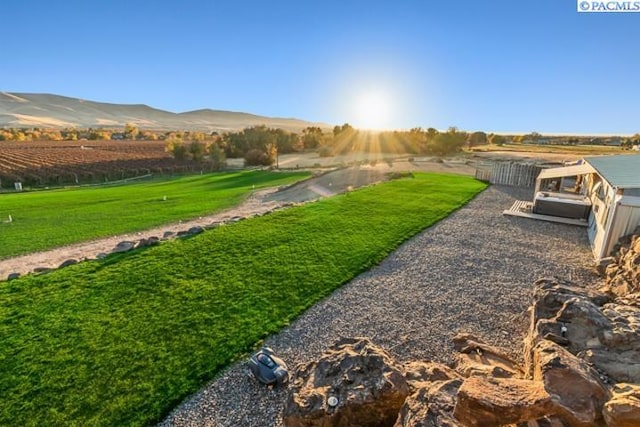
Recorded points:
509,173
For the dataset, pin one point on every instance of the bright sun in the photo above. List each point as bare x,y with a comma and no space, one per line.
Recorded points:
373,111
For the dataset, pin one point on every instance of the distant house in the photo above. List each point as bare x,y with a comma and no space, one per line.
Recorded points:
604,189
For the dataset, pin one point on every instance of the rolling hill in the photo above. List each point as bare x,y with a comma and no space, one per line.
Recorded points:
55,111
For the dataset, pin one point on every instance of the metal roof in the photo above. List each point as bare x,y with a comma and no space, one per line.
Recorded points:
622,171
566,171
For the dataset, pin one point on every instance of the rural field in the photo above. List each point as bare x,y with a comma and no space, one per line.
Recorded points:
42,163
122,340
73,215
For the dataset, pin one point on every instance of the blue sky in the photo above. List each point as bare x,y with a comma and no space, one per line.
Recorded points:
506,66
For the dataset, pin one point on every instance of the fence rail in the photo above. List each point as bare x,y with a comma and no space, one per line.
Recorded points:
509,173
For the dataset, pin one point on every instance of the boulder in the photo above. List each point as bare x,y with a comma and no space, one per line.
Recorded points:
195,230
575,388
478,358
168,234
622,276
145,243
355,383
419,373
606,336
550,322
623,409
431,405
486,401
13,276
123,247
68,262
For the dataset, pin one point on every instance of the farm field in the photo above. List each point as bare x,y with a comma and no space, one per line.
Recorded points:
47,219
579,150
122,340
42,163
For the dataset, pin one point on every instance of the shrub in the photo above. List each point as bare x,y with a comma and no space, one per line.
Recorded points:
325,151
257,157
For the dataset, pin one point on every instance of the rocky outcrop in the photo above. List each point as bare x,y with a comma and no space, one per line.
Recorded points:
355,383
604,333
431,405
623,410
577,393
476,358
488,401
581,342
622,276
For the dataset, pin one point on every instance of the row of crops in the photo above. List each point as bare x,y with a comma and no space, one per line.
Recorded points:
51,163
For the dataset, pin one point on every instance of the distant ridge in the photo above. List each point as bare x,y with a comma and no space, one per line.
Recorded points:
56,111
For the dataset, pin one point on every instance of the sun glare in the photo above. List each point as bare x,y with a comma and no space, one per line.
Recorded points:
373,111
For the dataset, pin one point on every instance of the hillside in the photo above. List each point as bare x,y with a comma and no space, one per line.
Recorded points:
55,111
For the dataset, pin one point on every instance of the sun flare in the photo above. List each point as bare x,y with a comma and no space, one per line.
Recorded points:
373,110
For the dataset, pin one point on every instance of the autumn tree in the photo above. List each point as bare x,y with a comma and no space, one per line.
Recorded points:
477,138
311,137
130,131
196,149
216,156
176,148
497,139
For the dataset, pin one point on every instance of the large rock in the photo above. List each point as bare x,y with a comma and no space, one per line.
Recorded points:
431,405
123,247
486,401
622,277
575,389
68,263
419,374
607,336
479,358
369,386
145,243
623,409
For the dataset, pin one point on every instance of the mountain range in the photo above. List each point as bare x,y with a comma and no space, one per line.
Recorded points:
55,111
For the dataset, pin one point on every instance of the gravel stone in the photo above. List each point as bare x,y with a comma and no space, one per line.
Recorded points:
472,272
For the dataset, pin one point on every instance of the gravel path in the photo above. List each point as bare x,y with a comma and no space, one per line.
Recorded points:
471,272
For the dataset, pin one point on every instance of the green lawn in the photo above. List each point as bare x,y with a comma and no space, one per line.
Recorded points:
47,219
123,340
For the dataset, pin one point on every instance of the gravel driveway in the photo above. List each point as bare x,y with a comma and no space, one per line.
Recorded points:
471,272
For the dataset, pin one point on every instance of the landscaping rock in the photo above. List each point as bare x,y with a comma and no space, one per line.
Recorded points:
369,386
574,387
420,373
123,247
145,243
168,234
484,401
623,409
478,358
607,336
68,262
101,255
622,277
13,276
431,405
195,230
